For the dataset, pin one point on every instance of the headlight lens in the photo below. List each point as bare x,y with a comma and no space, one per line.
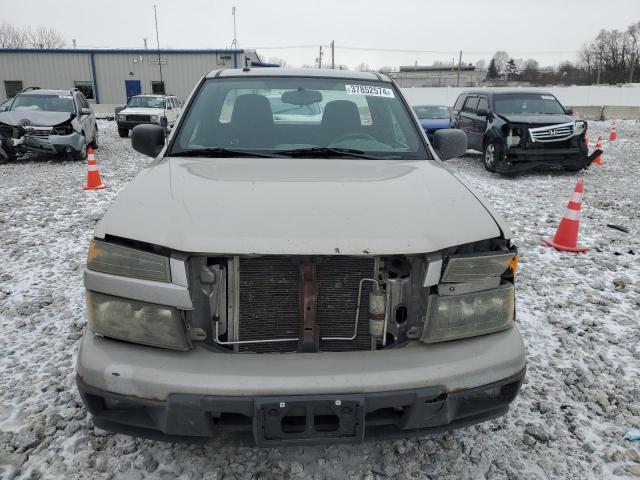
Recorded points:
122,117
579,126
469,315
154,118
135,321
129,262
476,266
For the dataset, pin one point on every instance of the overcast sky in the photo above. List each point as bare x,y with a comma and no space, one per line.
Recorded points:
548,30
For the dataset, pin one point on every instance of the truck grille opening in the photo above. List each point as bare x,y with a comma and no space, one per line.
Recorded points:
138,118
270,304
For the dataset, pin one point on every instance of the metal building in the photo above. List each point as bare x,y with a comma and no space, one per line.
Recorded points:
109,77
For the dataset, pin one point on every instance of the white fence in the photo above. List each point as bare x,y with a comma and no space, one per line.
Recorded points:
588,96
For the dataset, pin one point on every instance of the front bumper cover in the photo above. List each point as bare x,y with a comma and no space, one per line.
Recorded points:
302,419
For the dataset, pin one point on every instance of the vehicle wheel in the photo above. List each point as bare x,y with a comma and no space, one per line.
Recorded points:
123,132
82,154
492,156
94,142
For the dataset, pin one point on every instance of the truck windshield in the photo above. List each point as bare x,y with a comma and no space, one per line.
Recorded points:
299,117
146,102
44,103
530,103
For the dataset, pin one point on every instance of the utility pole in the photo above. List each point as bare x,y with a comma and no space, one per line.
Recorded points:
155,14
320,58
459,65
333,57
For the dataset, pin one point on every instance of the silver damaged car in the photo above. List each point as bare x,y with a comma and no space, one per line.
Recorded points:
58,122
315,278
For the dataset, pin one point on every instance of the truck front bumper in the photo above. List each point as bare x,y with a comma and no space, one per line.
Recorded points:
290,399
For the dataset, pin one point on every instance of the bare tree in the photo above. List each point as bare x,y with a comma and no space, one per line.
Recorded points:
10,36
501,58
529,72
481,65
44,37
363,67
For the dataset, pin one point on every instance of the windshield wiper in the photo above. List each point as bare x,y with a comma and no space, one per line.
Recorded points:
319,152
220,152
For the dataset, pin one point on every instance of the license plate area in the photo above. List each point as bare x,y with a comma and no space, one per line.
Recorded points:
308,420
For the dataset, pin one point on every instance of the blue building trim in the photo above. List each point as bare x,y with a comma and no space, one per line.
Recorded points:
94,79
136,51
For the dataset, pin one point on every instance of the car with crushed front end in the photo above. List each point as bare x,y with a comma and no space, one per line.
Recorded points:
298,282
161,110
518,130
59,122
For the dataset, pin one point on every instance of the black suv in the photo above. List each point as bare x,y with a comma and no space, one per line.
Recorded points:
518,130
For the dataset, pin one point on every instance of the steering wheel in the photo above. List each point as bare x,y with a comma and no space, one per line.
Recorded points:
348,136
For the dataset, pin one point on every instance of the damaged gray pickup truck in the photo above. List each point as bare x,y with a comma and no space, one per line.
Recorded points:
58,122
322,279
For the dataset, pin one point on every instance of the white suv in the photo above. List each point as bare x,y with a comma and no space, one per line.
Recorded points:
158,109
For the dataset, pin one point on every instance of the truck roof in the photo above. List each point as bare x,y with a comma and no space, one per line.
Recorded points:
297,72
492,91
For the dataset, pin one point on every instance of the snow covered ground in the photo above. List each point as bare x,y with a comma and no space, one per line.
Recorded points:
579,315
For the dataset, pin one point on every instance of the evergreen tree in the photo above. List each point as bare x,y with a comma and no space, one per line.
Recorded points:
492,72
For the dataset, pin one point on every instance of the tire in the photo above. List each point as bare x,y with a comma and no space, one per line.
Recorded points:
94,142
123,132
82,154
492,156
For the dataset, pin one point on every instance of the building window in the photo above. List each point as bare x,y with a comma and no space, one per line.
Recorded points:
12,87
86,88
157,88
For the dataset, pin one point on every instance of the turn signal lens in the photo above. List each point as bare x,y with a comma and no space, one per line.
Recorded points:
119,260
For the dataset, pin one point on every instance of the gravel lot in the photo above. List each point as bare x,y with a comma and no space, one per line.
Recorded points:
578,314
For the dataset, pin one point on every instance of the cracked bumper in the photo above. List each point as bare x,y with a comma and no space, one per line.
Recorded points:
163,394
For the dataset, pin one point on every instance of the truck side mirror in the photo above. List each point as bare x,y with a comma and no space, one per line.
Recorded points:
482,112
147,139
450,143
569,111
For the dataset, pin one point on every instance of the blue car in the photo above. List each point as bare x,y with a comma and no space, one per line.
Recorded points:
433,117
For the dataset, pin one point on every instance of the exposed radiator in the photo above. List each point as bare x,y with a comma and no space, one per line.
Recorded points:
269,301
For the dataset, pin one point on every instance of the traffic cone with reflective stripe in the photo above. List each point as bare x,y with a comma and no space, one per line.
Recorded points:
598,159
566,237
613,136
93,176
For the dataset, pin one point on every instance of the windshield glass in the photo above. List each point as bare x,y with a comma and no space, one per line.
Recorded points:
530,103
146,102
44,103
432,112
280,115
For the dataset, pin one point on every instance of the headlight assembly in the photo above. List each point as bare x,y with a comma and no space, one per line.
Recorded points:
129,262
122,117
469,315
135,321
154,118
579,127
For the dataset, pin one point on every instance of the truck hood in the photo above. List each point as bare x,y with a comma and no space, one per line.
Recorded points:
21,118
141,111
298,207
537,119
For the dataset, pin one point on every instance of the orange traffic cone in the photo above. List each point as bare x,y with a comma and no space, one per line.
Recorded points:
598,159
566,237
93,176
613,136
